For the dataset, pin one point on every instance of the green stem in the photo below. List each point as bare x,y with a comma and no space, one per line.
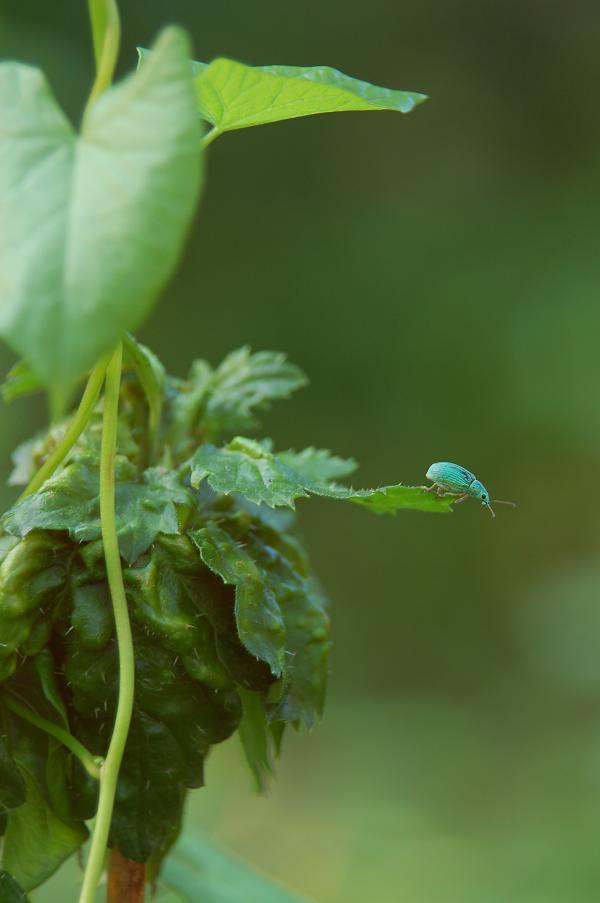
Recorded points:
210,136
77,426
90,763
110,769
106,37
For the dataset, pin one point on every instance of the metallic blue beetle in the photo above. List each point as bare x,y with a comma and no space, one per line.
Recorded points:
452,479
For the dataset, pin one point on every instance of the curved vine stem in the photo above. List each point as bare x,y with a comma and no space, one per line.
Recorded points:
76,427
106,37
110,770
90,763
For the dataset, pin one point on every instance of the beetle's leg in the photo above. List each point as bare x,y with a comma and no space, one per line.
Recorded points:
434,486
462,497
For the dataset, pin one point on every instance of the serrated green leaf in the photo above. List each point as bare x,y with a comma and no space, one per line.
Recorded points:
232,95
99,216
203,871
303,605
244,382
258,617
318,465
390,499
210,403
10,892
70,501
20,380
251,468
255,738
308,644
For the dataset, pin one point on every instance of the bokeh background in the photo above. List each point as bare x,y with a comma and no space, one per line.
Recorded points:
437,276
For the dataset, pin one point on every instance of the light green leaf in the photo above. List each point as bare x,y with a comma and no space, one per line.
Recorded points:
20,380
232,95
258,617
202,871
251,468
97,219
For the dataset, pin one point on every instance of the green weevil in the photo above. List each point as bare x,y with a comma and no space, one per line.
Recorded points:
452,479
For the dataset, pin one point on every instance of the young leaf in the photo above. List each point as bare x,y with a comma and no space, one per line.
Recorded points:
251,468
255,738
99,216
202,871
318,465
244,382
259,620
210,402
20,380
151,375
70,501
232,95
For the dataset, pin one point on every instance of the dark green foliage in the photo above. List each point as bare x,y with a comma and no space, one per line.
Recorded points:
226,618
229,624
42,830
10,892
70,502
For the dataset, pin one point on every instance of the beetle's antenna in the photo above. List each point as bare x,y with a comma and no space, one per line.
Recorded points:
500,502
491,509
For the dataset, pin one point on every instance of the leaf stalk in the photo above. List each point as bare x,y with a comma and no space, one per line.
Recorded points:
90,762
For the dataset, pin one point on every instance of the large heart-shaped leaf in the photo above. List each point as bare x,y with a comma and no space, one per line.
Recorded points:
232,95
93,223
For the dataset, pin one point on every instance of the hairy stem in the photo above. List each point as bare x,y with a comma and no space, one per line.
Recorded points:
110,770
90,763
77,426
106,37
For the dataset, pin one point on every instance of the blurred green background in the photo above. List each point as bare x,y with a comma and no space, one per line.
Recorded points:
437,277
